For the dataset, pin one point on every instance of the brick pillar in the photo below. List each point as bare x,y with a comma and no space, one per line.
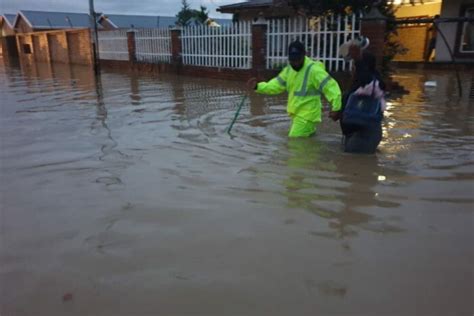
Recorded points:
176,48
259,37
373,26
132,56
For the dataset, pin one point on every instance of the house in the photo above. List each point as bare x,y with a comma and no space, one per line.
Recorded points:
32,21
460,35
252,9
416,38
6,24
7,36
120,21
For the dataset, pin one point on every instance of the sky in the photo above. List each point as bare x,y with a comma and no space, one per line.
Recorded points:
141,7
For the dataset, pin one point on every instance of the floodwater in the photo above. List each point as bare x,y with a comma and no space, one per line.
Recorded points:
127,197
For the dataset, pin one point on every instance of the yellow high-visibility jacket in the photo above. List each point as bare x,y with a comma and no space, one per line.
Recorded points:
304,89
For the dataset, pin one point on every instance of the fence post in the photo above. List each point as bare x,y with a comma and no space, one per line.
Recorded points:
132,56
176,48
373,26
259,37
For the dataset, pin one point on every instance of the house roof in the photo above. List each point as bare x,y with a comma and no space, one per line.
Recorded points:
53,20
9,18
222,22
139,21
250,4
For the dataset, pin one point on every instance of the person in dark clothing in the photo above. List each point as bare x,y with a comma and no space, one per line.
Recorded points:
363,140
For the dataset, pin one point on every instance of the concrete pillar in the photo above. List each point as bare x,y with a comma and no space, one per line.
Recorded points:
259,53
132,56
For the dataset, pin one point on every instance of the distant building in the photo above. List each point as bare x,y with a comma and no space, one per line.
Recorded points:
119,21
6,24
460,36
33,21
251,10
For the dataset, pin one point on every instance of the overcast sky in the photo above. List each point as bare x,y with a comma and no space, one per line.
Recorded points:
144,7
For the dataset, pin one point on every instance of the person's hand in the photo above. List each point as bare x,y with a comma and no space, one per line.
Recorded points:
335,115
252,83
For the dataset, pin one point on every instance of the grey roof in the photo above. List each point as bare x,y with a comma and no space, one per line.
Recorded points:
10,18
247,4
55,20
223,22
140,21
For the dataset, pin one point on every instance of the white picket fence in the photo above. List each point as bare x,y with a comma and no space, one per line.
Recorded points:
113,45
153,45
321,36
225,46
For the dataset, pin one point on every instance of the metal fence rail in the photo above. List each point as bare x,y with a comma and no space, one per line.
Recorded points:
153,45
321,36
113,45
225,46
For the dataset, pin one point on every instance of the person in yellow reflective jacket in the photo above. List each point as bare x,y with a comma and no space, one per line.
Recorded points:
305,80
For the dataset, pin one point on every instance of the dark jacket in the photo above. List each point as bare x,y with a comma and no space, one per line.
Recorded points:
363,140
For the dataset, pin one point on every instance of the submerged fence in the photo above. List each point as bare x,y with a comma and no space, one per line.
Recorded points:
153,45
231,46
321,36
113,45
226,46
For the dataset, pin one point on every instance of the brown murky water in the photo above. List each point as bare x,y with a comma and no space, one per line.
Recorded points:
131,199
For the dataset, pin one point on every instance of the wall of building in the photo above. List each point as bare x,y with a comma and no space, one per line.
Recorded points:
66,46
22,26
58,47
427,9
40,47
79,47
6,30
415,39
449,8
25,47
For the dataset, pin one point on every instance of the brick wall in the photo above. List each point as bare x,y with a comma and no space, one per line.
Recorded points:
58,47
23,27
79,47
375,31
40,48
25,48
65,46
9,47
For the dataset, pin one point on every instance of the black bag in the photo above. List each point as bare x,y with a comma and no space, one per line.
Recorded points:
362,111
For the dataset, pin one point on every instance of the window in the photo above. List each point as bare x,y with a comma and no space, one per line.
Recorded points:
27,48
466,43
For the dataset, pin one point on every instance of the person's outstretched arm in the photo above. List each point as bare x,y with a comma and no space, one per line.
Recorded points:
276,85
329,87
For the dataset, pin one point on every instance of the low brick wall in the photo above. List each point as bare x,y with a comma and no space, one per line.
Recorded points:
65,46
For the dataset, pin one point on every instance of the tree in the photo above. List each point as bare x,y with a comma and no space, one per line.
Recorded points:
202,15
185,15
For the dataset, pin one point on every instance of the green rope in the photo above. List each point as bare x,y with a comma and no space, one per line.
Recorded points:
236,114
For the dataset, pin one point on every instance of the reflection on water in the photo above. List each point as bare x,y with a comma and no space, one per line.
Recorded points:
128,185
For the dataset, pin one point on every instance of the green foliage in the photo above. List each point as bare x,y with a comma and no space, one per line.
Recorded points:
202,15
187,15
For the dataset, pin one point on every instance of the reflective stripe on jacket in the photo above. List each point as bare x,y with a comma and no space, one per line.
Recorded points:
304,89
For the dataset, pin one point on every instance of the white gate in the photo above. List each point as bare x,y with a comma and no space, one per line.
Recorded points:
153,45
113,45
224,46
321,36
